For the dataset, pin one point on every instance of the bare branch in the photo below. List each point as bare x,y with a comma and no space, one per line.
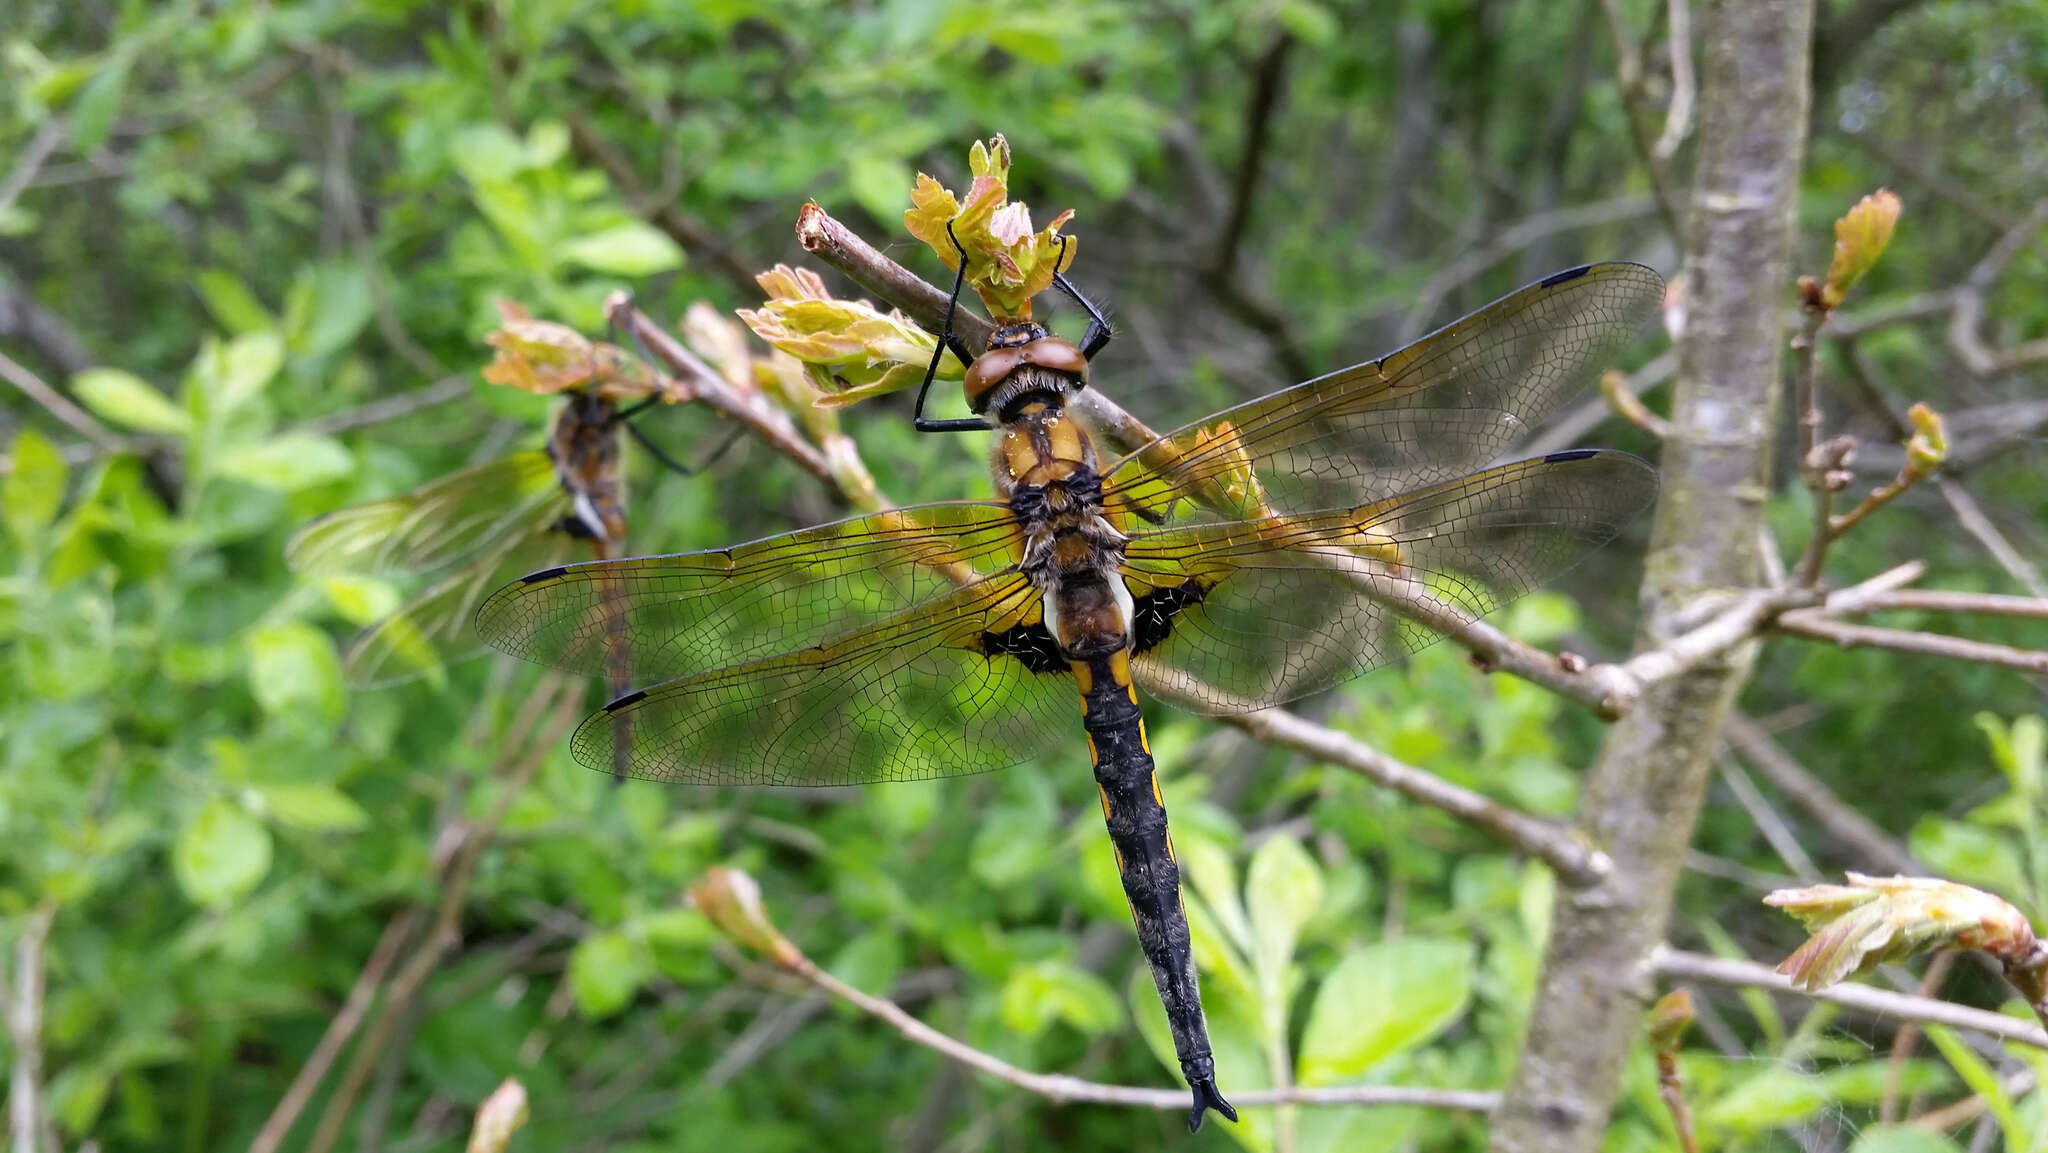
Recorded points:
59,405
558,700
692,234
1884,1004
1065,1090
1575,862
1966,317
444,391
1678,116
339,1030
30,161
26,1112
1941,601
1816,625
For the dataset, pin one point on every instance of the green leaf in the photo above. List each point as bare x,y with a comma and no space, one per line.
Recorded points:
99,103
870,962
34,491
314,807
880,184
292,668
233,306
1776,1095
1969,854
129,401
1283,887
221,854
290,462
330,304
232,374
1384,999
1982,1080
1036,995
1902,1139
605,971
1311,23
630,249
487,153
78,1095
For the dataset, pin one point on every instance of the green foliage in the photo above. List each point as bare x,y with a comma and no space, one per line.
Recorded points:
253,217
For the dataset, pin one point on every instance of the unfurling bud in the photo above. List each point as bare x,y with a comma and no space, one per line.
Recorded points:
1007,262
1928,446
731,901
865,351
1873,920
1861,236
1668,1019
501,1115
544,357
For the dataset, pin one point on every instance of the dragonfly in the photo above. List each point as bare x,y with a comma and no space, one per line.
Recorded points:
1267,552
471,531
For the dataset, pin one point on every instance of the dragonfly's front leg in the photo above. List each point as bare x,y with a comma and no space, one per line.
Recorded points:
1136,816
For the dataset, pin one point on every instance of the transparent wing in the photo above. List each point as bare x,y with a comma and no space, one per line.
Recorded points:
1245,614
433,628
684,614
1452,402
434,526
914,696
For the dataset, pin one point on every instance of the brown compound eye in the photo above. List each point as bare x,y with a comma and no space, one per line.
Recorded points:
990,369
1058,355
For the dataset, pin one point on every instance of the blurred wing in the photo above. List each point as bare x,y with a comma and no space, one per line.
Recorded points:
1452,402
436,525
433,628
918,695
687,613
1245,614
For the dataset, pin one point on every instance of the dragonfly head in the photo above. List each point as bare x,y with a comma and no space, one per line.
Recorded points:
1024,360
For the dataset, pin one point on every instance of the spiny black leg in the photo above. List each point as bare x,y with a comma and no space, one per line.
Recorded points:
658,453
947,340
1099,330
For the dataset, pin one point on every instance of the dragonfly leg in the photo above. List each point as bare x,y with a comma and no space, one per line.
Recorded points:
1099,329
947,339
1136,817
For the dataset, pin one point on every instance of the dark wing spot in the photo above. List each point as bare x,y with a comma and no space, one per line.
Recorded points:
546,574
1154,612
628,699
1569,455
1557,278
1032,644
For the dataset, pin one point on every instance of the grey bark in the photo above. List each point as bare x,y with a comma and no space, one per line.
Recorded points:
1643,797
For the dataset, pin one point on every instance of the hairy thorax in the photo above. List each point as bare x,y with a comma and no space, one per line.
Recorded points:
1045,465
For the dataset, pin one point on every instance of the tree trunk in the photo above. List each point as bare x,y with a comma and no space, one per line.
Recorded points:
1643,797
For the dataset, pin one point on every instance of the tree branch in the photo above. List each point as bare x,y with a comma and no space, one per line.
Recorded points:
1841,821
1068,1090
1642,799
1883,1004
27,1114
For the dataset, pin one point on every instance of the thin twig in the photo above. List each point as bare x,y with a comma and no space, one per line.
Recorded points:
1575,862
1775,831
1944,601
1972,517
1908,1037
560,700
1677,965
1848,636
444,391
1628,71
700,382
26,1115
1805,359
1966,317
692,234
1067,1090
1678,115
30,161
346,1021
59,405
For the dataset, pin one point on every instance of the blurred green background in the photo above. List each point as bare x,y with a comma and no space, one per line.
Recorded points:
227,227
